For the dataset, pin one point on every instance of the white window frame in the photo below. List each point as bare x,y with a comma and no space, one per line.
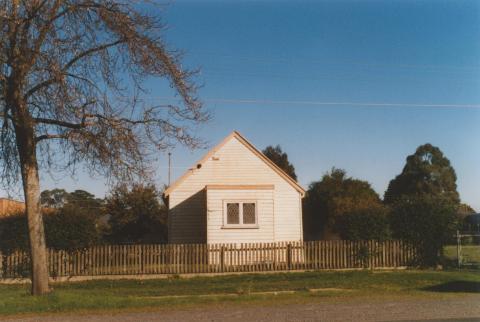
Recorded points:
241,224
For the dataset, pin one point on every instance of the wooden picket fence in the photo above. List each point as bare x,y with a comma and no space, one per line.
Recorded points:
215,258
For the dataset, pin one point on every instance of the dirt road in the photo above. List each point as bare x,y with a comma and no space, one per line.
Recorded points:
465,308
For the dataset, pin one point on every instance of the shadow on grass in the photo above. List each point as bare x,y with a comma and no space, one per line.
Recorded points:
456,287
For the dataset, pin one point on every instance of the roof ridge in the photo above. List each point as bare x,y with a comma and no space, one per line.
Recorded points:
249,145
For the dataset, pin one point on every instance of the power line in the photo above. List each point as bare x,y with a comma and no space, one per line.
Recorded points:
279,59
321,103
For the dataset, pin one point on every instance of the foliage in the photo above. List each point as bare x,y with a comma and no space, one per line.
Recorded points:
365,224
280,158
68,228
427,172
428,223
84,199
80,201
463,212
136,215
58,198
332,197
425,203
363,255
54,198
71,228
14,232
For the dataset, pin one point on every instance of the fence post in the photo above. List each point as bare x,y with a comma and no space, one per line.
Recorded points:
222,258
142,259
289,256
371,254
459,242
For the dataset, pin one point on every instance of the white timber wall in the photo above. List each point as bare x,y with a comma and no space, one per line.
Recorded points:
217,233
232,164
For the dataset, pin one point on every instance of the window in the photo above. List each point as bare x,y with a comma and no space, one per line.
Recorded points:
249,217
233,214
240,214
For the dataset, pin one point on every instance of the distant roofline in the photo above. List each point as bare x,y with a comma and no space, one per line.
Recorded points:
13,200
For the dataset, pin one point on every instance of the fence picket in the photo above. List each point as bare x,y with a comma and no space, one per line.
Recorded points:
158,256
210,258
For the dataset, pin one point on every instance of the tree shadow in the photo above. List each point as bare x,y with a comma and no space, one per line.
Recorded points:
455,287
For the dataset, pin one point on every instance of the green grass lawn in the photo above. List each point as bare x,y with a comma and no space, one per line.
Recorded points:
108,295
469,253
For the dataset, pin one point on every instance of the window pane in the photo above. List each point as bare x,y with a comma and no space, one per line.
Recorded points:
233,213
249,213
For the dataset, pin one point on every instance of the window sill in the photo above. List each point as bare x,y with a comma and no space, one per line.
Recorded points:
240,227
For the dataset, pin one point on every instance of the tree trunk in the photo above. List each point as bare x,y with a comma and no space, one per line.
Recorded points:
38,250
26,146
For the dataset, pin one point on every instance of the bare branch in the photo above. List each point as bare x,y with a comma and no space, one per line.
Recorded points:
50,136
59,123
92,51
79,69
63,70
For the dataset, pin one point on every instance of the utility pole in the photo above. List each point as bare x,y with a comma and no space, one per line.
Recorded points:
459,250
169,167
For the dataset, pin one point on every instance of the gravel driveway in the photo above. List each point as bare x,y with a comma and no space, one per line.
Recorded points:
465,308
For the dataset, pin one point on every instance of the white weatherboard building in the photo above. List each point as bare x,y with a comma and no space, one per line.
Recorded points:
234,194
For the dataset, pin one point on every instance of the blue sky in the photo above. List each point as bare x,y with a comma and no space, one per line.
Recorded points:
280,54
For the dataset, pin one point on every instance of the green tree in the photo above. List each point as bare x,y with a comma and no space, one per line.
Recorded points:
425,222
332,197
57,198
465,218
464,210
365,224
424,202
426,172
84,199
280,158
136,215
54,198
81,202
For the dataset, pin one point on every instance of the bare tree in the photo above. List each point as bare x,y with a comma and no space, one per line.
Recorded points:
71,93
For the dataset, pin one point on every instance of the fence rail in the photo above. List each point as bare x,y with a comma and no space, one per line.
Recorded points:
214,258
467,249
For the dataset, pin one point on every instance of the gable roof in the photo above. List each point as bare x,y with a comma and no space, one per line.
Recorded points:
249,146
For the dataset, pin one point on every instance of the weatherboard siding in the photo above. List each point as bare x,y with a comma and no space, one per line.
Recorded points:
217,233
232,164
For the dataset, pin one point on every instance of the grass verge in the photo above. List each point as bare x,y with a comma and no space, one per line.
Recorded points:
470,254
111,295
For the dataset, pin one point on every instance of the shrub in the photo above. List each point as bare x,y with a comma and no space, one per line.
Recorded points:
427,223
14,233
329,199
136,215
364,224
68,228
